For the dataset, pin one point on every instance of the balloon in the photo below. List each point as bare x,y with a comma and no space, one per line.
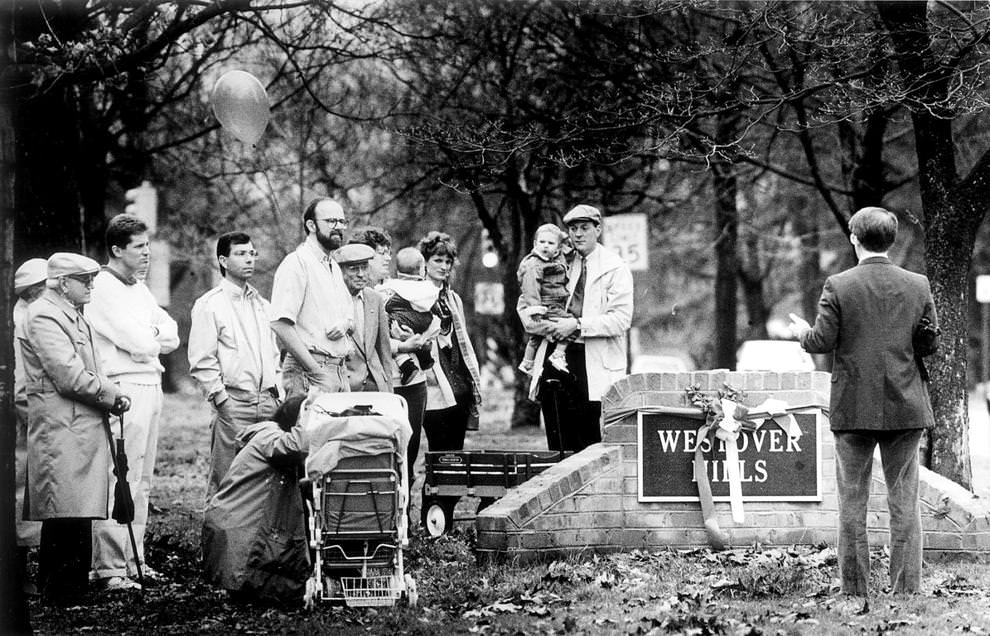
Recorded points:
240,104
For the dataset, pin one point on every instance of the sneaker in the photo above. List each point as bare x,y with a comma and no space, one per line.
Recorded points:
116,583
559,362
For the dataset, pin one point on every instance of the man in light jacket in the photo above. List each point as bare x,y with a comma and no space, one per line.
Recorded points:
601,307
131,330
232,353
68,457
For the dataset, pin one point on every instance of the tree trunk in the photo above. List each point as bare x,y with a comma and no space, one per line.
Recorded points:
13,608
726,239
951,221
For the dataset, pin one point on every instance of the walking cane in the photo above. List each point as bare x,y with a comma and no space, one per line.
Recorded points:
123,502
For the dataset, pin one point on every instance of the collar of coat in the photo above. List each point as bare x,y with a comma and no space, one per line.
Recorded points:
874,260
601,261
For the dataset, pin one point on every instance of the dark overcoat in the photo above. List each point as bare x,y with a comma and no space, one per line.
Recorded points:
866,317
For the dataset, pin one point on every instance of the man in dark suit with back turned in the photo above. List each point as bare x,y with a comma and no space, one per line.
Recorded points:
867,317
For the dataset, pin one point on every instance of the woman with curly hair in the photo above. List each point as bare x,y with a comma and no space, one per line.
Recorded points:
453,382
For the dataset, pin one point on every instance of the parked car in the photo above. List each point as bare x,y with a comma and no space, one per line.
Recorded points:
773,355
659,364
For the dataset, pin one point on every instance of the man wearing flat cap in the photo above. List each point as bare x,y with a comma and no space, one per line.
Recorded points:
600,305
369,364
68,398
29,284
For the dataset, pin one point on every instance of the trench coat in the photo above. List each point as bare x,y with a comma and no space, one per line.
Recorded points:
68,454
254,533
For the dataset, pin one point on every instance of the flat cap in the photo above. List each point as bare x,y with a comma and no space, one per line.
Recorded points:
68,263
31,272
353,254
583,213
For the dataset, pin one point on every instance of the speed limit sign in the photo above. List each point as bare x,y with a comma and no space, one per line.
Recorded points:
627,235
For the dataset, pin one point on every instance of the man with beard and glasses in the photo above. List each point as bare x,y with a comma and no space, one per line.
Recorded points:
312,311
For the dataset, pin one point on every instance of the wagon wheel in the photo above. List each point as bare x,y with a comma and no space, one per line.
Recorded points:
438,516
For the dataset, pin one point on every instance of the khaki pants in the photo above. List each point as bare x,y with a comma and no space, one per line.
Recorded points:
239,410
112,554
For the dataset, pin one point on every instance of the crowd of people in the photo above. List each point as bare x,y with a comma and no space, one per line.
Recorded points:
89,337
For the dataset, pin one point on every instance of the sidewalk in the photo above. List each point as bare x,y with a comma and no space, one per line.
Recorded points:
979,443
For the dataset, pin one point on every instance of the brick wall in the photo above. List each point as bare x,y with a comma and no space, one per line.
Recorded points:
589,502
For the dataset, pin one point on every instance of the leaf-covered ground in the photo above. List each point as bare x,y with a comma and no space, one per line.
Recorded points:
742,591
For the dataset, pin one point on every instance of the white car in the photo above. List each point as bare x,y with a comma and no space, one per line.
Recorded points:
773,355
658,364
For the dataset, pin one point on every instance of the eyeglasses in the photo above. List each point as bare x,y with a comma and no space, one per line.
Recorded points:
334,220
244,253
383,251
85,279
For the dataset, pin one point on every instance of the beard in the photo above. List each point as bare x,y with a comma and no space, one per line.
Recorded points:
330,241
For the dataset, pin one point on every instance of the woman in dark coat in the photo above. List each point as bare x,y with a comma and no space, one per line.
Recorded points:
254,534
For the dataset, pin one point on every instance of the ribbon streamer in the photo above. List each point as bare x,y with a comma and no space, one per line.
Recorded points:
726,423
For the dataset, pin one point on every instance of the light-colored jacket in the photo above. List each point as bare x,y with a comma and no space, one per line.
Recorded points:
231,343
68,453
606,316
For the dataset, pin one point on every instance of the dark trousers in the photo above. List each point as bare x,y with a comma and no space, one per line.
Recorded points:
64,559
415,396
572,421
853,471
445,430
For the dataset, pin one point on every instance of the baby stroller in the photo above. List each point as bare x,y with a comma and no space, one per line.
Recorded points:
358,521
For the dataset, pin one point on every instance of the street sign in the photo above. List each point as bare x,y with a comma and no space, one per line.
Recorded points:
489,298
983,288
627,234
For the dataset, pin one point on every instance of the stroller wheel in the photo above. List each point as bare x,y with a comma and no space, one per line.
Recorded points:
438,518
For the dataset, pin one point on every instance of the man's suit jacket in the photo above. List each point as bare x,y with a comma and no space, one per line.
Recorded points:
867,316
375,345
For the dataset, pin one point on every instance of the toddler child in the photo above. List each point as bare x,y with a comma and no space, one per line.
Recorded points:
543,289
409,299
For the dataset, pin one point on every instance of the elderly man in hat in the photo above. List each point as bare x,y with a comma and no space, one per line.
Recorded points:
29,284
600,304
369,366
68,399
310,308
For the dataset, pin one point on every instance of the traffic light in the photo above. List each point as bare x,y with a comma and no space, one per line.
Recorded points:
142,202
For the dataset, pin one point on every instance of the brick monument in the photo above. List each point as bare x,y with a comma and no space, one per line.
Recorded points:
623,494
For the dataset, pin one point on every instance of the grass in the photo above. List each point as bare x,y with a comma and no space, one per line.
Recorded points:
740,591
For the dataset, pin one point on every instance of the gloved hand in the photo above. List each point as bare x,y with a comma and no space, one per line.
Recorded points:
121,405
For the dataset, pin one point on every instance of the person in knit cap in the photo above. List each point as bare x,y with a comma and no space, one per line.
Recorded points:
29,284
68,397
